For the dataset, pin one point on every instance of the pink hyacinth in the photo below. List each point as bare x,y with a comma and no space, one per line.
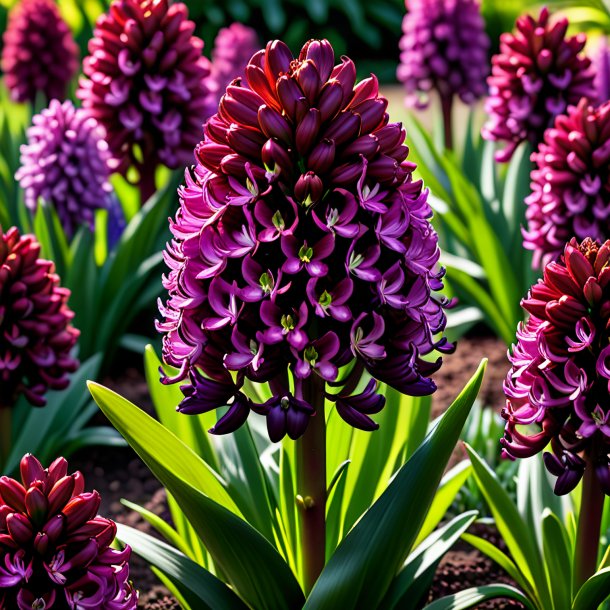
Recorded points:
39,55
539,72
55,550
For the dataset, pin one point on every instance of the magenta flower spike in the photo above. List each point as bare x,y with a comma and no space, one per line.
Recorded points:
65,164
302,244
146,83
538,73
39,54
570,183
233,48
557,389
444,48
55,550
36,337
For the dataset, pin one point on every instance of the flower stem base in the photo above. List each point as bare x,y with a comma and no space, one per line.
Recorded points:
311,484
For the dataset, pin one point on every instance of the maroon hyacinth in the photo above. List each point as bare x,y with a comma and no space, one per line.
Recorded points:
570,183
146,83
65,164
538,73
233,48
557,389
39,55
302,244
55,550
36,338
444,48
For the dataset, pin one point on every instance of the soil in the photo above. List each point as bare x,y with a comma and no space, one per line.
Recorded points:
121,474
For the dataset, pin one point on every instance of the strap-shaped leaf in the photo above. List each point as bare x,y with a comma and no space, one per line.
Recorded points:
415,578
253,566
200,589
594,592
558,558
362,568
469,598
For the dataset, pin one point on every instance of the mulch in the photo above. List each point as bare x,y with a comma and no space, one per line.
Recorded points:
119,473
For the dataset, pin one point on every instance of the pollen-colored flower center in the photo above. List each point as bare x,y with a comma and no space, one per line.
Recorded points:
325,299
287,323
306,253
266,283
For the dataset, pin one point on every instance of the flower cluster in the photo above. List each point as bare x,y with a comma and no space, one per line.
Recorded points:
36,337
302,242
39,55
65,164
233,48
570,183
560,373
146,82
444,47
538,73
54,550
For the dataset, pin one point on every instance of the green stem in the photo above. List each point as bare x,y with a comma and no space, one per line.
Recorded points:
147,184
311,483
5,435
446,107
589,525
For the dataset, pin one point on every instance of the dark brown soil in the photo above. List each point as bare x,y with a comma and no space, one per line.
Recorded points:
119,473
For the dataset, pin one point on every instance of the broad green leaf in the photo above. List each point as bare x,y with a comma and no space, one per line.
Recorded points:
594,592
200,589
360,572
252,565
558,558
469,598
521,544
416,576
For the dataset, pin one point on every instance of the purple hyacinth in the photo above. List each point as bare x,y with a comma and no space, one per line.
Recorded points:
55,550
233,48
538,73
557,388
444,47
65,163
570,183
40,56
302,245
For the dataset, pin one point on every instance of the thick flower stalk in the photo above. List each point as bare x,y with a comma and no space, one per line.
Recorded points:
39,56
570,183
146,85
55,550
65,164
537,75
233,48
444,48
303,243
36,337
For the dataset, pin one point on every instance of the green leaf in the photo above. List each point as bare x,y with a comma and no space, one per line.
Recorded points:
519,540
252,565
200,589
416,576
471,597
360,572
594,592
558,559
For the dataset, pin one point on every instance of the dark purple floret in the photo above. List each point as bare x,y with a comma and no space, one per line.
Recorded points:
302,244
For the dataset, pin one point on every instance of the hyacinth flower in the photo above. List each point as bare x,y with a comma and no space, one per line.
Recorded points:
570,183
302,246
36,336
557,388
55,550
444,48
146,85
538,73
39,56
233,48
66,164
